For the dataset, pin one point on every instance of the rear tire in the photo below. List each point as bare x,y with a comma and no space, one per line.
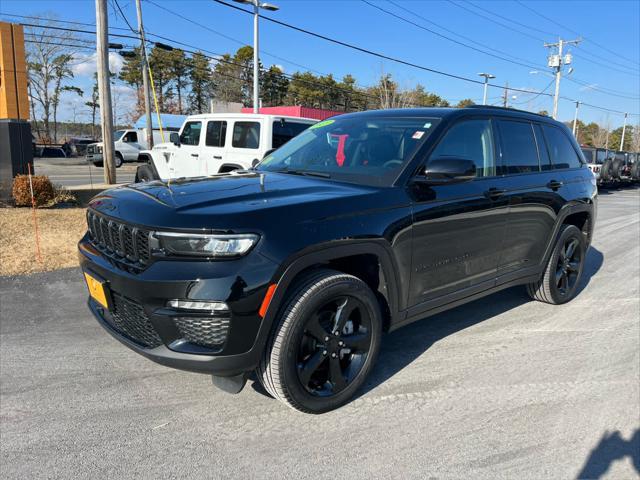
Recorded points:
324,343
616,169
605,171
561,277
119,160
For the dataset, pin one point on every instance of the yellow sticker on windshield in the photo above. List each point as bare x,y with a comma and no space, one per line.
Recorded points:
321,124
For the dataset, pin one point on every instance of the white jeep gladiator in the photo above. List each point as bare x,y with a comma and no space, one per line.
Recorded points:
213,143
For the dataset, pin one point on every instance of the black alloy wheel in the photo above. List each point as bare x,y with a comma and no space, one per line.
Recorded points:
334,347
568,266
561,277
324,342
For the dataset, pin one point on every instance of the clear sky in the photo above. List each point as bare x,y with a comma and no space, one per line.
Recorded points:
606,64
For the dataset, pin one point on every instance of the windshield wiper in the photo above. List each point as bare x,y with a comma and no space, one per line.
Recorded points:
307,173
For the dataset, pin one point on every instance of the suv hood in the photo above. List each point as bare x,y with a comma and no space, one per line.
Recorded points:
233,200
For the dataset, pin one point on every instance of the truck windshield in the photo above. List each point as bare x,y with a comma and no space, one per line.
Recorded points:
117,134
362,149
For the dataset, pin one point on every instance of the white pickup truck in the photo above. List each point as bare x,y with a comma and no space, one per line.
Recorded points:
128,145
214,143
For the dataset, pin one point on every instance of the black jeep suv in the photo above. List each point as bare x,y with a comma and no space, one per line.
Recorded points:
361,224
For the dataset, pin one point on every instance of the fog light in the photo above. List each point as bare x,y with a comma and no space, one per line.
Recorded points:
198,306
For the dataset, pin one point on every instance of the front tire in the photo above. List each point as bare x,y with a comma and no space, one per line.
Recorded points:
325,342
559,284
144,173
119,160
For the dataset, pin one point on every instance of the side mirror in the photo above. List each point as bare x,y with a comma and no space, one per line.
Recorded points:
269,152
446,171
174,138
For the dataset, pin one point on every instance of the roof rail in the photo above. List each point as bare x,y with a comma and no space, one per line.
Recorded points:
509,109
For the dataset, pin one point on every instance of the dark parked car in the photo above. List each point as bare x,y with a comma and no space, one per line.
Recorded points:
361,224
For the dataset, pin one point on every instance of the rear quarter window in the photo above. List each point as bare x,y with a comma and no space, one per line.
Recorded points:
561,150
246,135
283,131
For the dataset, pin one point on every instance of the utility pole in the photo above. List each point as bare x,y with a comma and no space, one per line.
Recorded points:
556,61
624,129
487,77
104,91
575,118
505,95
257,5
145,78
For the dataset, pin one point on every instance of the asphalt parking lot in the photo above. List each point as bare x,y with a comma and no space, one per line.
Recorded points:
500,388
76,171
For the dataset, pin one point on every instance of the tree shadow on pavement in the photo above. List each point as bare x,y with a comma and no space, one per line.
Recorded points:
403,346
612,447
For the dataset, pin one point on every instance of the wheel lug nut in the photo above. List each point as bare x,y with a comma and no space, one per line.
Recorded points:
326,339
324,352
333,355
341,343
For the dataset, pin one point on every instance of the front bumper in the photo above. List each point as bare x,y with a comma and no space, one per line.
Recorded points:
157,332
94,157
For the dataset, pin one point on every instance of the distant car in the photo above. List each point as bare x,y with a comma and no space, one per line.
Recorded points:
128,145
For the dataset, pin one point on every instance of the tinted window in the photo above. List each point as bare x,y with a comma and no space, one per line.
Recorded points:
191,133
216,131
620,156
470,140
519,150
246,135
285,130
561,150
362,149
130,137
601,156
588,154
543,151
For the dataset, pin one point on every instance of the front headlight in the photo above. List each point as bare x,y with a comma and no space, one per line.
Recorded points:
206,245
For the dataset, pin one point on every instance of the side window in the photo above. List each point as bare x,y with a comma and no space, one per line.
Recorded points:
561,150
246,135
216,133
130,137
191,133
588,154
543,151
283,131
470,140
519,149
601,156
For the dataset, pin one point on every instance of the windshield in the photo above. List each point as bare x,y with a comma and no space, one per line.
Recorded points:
117,134
361,149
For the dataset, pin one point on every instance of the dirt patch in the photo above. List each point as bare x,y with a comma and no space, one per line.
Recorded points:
60,230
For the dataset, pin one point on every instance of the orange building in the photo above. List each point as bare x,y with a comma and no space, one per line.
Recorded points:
14,100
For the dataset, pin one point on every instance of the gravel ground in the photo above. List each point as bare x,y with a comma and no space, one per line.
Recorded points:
500,388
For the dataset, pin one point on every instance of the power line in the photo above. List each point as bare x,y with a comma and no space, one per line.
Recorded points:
124,17
537,38
422,27
352,92
574,32
364,50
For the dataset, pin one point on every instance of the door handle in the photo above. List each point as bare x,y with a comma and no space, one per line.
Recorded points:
494,193
194,155
554,185
218,157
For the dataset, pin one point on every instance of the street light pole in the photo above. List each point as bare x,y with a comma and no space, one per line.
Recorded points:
256,61
575,118
624,129
486,76
257,5
145,78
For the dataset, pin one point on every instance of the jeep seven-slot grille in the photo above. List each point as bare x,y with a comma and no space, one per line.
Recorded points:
129,319
123,243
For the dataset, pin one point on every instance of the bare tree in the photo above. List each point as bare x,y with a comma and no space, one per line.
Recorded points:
635,138
49,62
